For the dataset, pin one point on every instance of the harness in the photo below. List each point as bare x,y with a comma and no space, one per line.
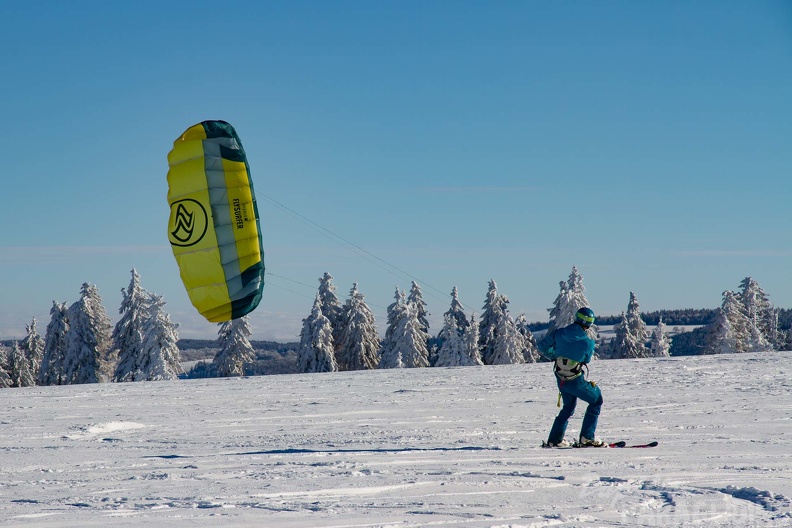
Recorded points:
568,369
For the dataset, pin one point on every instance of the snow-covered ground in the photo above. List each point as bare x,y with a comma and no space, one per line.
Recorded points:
421,447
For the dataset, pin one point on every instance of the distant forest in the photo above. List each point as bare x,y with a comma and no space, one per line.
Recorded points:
684,317
273,357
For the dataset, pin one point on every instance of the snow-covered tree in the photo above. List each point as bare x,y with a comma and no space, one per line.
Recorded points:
88,339
5,380
457,311
51,372
389,356
331,308
660,342
359,340
450,353
415,299
407,346
630,334
316,352
507,344
730,331
234,348
32,346
757,307
19,368
570,299
417,304
494,305
160,346
623,342
530,352
460,348
145,337
637,325
758,311
471,353
396,311
128,332
775,335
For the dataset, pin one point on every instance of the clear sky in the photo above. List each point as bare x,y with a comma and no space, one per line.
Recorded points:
647,143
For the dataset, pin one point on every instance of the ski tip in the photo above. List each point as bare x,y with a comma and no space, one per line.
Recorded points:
624,444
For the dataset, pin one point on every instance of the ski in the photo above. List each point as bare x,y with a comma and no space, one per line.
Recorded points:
624,444
619,444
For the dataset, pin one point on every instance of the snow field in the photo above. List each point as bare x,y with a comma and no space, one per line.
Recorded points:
413,447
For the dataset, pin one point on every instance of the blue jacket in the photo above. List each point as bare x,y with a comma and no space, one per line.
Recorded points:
571,342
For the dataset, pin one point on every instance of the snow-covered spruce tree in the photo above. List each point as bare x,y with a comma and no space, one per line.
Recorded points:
530,352
494,304
660,342
396,311
570,299
33,348
460,348
758,311
145,337
5,380
128,332
51,372
331,308
450,353
316,352
161,356
621,340
507,343
359,340
470,343
457,312
730,331
408,347
630,334
234,348
19,368
637,325
160,345
415,299
88,338
775,335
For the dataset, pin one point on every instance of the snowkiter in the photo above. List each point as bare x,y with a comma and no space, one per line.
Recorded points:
572,348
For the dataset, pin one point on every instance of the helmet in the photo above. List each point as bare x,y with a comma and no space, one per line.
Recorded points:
585,317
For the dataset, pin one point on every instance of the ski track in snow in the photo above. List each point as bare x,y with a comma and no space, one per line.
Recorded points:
405,448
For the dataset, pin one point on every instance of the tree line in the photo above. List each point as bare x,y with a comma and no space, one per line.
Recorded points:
81,346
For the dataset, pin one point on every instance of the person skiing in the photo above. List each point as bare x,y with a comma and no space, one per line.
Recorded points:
571,348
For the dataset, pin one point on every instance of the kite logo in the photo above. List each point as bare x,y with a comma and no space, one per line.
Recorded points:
188,223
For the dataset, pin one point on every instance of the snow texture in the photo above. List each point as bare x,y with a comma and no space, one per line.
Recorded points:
405,448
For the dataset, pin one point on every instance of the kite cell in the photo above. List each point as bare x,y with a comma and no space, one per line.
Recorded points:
214,222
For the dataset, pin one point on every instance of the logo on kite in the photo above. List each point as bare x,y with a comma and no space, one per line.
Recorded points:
188,223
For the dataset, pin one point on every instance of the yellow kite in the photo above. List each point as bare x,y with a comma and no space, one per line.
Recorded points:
214,222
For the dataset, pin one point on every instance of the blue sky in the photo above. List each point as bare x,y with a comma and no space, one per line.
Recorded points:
646,143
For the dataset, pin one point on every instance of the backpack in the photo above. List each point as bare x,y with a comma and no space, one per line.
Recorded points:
568,369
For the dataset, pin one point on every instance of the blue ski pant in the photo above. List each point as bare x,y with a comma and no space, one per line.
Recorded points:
571,390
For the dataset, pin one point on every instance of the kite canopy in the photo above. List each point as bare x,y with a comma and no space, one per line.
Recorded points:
214,222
